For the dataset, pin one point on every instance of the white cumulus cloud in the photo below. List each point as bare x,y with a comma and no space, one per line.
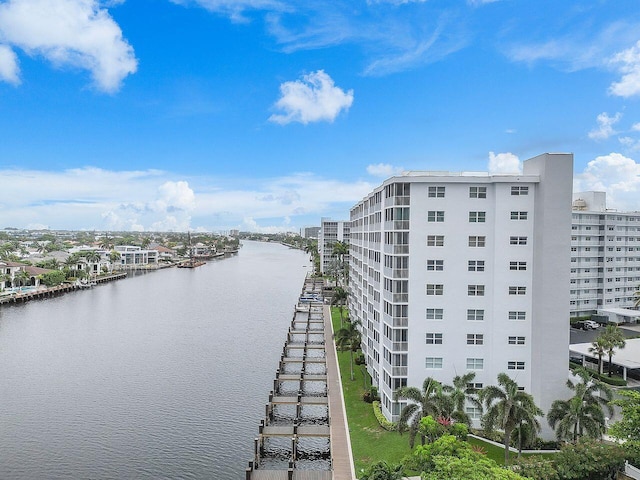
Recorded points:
628,64
176,195
75,33
383,170
504,163
9,69
605,126
314,98
615,174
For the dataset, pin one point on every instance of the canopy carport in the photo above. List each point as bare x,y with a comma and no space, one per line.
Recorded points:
628,357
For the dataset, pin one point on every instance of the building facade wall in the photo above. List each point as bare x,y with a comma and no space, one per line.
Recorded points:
331,231
605,255
458,273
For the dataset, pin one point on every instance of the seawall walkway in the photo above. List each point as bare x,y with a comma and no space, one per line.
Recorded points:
295,441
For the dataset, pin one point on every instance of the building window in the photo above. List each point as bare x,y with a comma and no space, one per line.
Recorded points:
436,192
435,265
517,265
515,365
475,363
477,192
475,339
433,362
474,386
435,288
435,313
475,290
475,413
518,215
476,266
477,217
516,340
477,241
519,190
517,240
434,339
517,290
435,240
475,315
435,216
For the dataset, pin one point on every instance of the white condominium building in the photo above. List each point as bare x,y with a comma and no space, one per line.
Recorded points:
605,255
331,231
453,273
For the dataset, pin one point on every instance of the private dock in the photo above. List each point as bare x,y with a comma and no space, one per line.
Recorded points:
304,435
43,293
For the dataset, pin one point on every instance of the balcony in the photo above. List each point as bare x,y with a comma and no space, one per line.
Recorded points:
396,272
395,346
396,225
399,371
399,200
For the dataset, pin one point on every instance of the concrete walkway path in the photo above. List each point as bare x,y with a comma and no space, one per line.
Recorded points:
341,455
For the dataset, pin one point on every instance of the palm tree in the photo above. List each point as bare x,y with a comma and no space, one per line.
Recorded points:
460,394
583,413
507,407
92,258
598,347
348,339
636,295
613,338
114,257
421,403
106,242
339,298
4,277
72,263
340,249
526,432
40,247
21,277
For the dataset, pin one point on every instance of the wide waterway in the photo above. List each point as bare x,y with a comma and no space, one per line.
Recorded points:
161,375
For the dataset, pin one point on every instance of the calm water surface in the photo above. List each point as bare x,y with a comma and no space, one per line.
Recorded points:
163,375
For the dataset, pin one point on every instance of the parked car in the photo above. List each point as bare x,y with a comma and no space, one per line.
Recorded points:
586,325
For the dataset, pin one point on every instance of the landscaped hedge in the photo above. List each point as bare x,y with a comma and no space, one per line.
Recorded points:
382,420
616,381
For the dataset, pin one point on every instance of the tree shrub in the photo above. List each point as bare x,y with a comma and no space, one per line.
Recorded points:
382,471
51,279
589,460
535,468
382,420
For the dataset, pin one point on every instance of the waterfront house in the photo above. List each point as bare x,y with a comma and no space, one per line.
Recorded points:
133,256
11,275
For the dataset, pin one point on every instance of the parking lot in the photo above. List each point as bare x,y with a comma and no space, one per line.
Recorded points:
588,336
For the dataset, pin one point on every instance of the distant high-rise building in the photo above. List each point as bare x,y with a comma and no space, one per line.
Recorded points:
457,273
605,255
309,232
331,231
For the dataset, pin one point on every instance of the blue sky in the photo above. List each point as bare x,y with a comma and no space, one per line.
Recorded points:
266,115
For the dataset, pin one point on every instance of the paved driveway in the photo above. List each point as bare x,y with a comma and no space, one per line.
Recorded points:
588,336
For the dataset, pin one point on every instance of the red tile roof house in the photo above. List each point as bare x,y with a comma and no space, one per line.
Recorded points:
9,271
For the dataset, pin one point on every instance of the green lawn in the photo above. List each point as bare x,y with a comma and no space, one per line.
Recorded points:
369,442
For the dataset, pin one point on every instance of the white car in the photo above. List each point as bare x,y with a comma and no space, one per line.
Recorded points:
590,324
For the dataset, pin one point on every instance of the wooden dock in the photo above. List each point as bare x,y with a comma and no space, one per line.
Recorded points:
305,351
48,292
